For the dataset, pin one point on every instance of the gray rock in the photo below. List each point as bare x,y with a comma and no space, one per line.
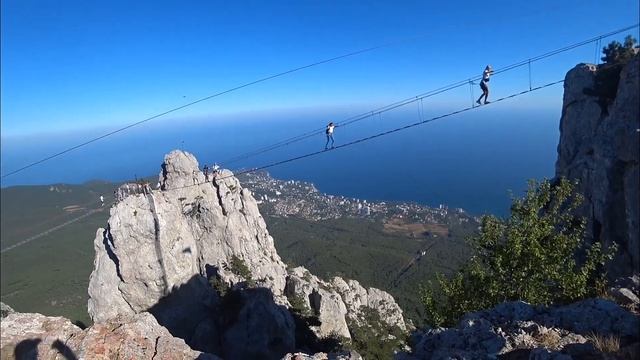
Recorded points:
358,299
31,336
26,336
340,300
630,282
596,316
599,146
625,296
317,296
510,327
348,355
5,310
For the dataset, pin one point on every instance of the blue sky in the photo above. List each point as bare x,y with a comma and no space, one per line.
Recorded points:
77,65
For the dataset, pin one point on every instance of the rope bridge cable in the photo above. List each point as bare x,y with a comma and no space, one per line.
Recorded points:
443,89
384,133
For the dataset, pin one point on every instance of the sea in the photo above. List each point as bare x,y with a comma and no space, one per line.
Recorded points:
477,160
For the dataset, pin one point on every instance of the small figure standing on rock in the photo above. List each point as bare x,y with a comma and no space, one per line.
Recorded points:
206,172
484,84
214,171
329,133
101,200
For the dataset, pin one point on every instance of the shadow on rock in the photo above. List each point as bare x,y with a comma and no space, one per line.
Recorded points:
64,350
27,349
241,323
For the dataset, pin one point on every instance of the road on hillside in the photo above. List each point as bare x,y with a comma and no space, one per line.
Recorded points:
50,230
415,259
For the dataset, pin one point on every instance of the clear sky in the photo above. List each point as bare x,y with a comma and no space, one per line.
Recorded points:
72,65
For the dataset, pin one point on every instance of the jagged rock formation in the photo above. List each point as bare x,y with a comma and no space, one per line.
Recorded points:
197,255
519,330
599,146
31,336
340,302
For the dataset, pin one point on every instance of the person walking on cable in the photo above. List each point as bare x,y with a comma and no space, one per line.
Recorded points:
484,84
329,133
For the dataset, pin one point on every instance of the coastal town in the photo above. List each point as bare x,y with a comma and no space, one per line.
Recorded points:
294,198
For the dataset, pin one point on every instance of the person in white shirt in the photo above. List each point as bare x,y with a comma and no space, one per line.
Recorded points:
101,200
329,133
484,84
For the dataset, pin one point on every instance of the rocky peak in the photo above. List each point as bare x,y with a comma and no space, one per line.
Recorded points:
197,255
599,146
180,169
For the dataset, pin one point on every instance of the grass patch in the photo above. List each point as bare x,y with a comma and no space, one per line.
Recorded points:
607,344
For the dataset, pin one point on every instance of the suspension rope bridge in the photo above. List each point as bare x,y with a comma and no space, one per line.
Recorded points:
470,81
315,153
378,135
346,122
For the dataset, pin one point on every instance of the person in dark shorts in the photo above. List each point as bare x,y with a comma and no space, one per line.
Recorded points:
484,84
329,133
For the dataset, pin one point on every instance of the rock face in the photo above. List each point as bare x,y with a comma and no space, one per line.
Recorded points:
197,255
512,328
599,146
5,310
31,336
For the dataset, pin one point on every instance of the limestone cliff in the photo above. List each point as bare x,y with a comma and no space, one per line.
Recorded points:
197,255
599,147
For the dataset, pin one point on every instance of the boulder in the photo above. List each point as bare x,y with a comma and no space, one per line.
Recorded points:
322,301
35,336
31,336
546,333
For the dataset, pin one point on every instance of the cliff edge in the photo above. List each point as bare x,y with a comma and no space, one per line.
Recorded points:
599,147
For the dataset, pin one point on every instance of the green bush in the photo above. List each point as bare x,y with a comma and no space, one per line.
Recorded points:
616,56
531,256
219,285
373,338
239,267
299,305
615,52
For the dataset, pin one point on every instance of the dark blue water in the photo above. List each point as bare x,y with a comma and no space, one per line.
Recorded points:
471,160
